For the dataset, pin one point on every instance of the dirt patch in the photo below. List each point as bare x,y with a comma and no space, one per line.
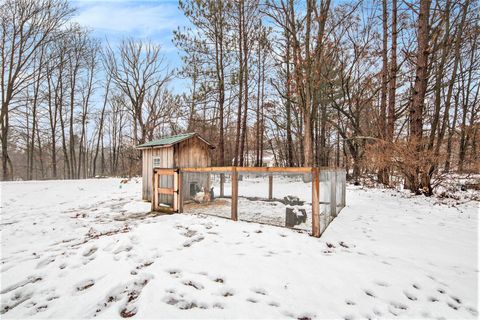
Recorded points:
215,203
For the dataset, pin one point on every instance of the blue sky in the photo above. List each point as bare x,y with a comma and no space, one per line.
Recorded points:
146,19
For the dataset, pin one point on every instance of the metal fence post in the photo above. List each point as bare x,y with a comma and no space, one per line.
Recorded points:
333,193
270,187
180,191
222,181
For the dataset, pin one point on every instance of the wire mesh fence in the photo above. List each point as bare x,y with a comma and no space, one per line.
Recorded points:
207,193
306,199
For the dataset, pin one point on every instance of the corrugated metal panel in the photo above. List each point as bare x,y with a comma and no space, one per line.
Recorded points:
168,141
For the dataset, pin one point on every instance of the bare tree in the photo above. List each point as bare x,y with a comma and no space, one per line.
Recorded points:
138,70
26,27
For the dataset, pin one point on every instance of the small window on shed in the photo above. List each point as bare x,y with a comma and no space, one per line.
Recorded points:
156,162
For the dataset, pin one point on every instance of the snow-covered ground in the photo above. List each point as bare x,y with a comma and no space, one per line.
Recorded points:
89,248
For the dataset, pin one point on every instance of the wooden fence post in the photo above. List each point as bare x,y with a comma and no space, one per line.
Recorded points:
234,194
270,187
333,193
344,188
180,191
154,191
315,203
176,191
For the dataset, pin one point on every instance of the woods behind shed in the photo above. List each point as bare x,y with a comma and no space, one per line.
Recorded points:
179,151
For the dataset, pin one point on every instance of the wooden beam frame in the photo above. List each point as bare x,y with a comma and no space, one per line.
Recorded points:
175,191
249,169
316,230
180,191
207,169
154,194
168,191
164,172
337,175
234,206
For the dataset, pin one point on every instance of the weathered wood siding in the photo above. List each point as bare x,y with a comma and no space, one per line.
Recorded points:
167,161
193,153
189,153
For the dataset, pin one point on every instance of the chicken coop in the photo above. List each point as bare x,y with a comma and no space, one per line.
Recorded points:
164,156
178,177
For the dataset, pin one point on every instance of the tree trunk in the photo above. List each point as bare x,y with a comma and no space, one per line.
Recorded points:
240,83
420,87
383,171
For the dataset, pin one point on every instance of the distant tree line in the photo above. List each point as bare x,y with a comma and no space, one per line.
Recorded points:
73,107
387,89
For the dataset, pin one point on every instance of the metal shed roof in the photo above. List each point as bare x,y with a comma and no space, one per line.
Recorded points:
171,140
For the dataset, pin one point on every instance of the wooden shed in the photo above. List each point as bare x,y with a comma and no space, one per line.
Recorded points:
179,151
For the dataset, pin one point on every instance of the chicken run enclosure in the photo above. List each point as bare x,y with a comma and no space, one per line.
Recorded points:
304,198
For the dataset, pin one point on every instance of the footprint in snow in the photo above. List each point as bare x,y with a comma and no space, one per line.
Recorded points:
191,241
377,312
30,279
45,262
350,302
42,308
145,264
189,233
274,304
288,314
370,293
472,311
122,248
193,284
227,293
183,304
52,297
81,286
382,283
90,251
456,299
453,306
218,280
176,273
260,291
410,296
398,306
15,301
131,290
306,316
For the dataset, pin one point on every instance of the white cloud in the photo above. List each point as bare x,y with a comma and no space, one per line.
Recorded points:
151,19
130,18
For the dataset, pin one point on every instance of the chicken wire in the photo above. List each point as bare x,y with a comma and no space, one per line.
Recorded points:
289,205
